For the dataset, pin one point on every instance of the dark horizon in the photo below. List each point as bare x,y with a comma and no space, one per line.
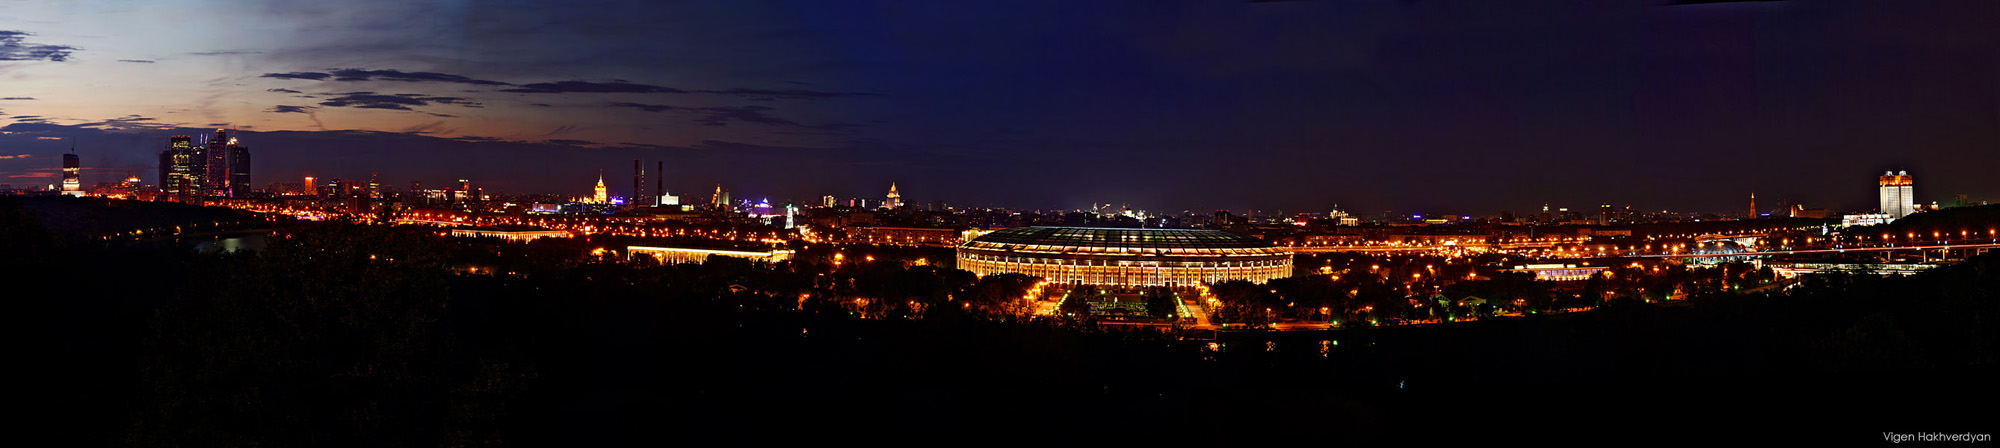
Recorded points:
1420,107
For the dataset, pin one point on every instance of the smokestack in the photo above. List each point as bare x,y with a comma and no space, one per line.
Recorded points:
660,180
638,181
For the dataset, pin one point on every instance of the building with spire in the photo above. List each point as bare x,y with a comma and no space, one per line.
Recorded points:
894,200
1753,205
602,196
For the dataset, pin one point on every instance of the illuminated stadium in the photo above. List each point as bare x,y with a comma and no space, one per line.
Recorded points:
1176,258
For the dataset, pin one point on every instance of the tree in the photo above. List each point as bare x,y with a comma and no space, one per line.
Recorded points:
1160,302
1078,300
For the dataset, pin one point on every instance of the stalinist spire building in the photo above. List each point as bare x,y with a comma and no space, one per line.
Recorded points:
602,196
894,200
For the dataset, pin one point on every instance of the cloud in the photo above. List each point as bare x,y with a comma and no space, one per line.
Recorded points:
358,74
14,48
786,93
128,122
283,90
355,74
36,173
16,156
435,127
136,61
283,109
316,76
591,87
224,52
647,145
724,115
571,142
18,98
646,107
401,101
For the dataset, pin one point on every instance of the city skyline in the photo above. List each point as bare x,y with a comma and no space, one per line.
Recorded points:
237,174
1439,107
237,160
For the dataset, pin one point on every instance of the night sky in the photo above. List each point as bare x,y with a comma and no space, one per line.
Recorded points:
1420,106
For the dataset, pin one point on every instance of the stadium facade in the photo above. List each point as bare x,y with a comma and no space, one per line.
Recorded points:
1178,258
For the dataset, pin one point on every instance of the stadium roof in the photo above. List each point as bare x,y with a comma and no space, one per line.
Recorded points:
1120,238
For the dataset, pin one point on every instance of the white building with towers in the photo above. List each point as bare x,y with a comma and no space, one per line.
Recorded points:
1898,198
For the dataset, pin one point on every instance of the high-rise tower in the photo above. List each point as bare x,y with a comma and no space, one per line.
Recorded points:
215,161
1897,193
239,169
72,183
182,169
638,182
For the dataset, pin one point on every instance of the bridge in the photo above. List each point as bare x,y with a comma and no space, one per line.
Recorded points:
1959,246
1746,240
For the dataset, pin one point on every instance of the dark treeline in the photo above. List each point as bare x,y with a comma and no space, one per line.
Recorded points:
343,335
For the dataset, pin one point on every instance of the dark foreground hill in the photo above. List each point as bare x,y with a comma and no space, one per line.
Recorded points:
345,335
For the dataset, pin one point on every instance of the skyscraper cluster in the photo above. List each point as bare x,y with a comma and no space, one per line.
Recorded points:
219,167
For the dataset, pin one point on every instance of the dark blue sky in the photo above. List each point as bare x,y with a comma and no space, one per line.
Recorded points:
1416,105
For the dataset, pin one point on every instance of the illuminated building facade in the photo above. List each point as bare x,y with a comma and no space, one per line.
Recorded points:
1898,195
1556,272
1175,258
903,236
678,255
510,233
660,196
